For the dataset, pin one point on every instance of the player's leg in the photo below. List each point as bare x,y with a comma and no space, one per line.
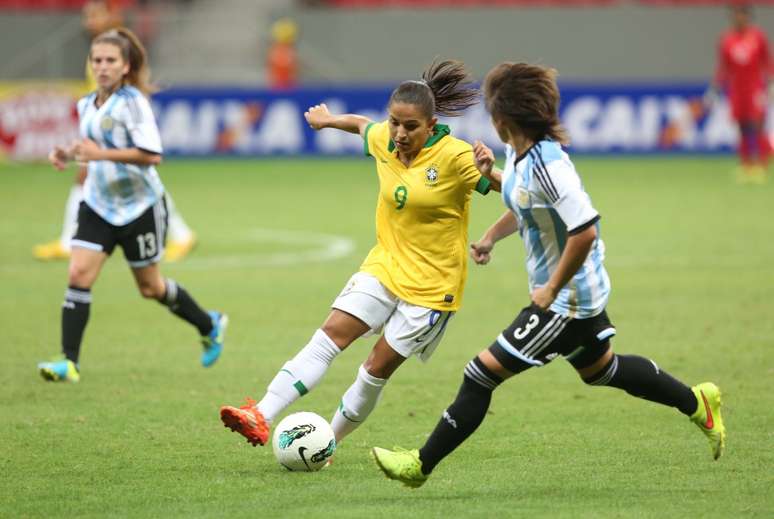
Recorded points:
639,377
749,110
756,115
60,248
92,245
181,239
143,244
740,108
597,365
753,146
763,147
459,420
296,378
410,330
532,340
363,395
746,144
74,199
210,325
362,306
306,369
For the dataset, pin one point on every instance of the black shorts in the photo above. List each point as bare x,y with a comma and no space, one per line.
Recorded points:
142,239
536,337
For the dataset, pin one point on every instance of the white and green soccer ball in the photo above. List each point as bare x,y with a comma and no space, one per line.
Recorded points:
303,442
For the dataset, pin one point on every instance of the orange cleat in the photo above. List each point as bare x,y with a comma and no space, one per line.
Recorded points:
247,421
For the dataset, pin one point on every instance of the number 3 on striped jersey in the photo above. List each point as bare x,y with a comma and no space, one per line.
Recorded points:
401,195
534,320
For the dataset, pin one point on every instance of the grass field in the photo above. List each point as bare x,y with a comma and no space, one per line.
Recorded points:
691,257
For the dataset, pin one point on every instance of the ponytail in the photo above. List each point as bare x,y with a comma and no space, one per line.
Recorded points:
445,89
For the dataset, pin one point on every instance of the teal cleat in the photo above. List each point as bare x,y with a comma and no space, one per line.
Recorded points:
400,465
213,343
60,370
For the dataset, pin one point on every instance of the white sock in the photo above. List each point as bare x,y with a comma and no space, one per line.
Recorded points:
357,403
299,375
178,229
70,223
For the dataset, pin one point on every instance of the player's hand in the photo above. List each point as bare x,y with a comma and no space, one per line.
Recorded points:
317,116
58,158
543,297
481,251
483,158
86,150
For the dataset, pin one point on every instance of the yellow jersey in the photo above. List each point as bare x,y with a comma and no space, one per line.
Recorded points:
422,217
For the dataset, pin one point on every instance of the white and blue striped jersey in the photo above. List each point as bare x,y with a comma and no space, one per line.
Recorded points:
117,191
545,192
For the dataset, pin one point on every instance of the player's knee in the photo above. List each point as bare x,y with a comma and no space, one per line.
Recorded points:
150,290
79,276
601,372
382,362
591,364
372,369
480,377
338,333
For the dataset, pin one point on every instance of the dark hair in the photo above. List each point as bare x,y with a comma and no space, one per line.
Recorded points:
525,96
445,89
133,53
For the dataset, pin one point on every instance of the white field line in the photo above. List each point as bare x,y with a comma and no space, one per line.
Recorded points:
317,248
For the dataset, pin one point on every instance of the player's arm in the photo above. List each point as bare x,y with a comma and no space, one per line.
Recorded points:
723,67
561,186
768,65
712,94
575,252
87,150
481,251
483,158
60,156
319,117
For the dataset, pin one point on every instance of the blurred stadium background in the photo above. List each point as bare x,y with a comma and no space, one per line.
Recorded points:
632,71
284,215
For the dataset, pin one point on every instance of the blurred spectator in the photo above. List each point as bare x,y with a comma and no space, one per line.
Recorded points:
744,69
282,59
99,16
145,24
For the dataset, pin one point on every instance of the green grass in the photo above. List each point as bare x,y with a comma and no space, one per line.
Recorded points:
691,257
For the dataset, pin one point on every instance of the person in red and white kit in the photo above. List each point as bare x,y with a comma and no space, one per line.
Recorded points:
744,70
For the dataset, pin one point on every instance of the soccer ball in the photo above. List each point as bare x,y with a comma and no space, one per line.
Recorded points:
303,442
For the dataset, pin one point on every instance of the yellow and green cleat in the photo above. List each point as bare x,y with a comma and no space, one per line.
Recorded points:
179,249
751,174
60,370
708,418
400,465
50,251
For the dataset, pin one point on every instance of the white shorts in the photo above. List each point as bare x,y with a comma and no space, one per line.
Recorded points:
409,329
